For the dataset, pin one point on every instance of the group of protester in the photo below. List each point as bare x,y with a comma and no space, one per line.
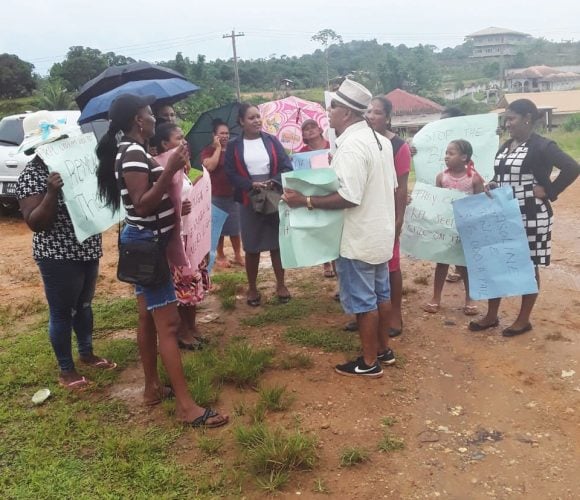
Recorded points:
372,165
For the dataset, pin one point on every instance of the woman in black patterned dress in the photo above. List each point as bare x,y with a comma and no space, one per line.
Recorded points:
525,163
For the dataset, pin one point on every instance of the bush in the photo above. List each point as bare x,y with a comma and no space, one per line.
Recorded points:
572,124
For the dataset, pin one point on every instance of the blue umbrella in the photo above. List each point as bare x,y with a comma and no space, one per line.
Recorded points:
167,91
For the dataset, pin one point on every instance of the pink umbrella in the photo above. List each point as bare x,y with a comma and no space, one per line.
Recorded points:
284,119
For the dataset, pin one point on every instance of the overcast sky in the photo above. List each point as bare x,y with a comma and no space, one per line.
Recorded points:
41,31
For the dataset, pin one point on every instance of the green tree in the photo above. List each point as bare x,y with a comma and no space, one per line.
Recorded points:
80,65
16,78
324,37
54,96
391,73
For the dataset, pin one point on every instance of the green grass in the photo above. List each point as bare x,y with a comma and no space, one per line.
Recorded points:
77,443
390,443
281,314
210,445
228,284
388,421
568,142
352,456
271,453
320,486
241,364
114,315
275,398
328,340
296,360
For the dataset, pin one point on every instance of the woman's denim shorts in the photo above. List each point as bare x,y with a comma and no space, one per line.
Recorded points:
160,295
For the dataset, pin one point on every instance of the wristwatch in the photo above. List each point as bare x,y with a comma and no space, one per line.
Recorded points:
309,203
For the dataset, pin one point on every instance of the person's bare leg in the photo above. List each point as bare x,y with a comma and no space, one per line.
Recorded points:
220,258
528,302
167,323
469,308
438,282
147,342
385,314
396,314
252,264
368,325
492,313
237,246
187,331
281,289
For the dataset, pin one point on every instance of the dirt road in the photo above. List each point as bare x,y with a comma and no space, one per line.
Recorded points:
481,416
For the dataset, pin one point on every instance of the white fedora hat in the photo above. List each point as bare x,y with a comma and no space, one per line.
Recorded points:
353,95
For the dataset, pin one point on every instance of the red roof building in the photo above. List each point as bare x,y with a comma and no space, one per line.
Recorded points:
411,112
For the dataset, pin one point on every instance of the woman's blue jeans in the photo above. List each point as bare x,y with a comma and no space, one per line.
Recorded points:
69,287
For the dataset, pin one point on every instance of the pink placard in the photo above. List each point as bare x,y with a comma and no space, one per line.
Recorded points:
320,161
196,226
175,249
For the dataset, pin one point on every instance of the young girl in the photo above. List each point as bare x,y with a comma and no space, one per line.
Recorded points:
190,290
460,174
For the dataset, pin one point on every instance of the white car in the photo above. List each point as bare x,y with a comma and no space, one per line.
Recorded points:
12,163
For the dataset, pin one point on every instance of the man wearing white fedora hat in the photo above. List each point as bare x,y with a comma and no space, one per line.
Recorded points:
367,181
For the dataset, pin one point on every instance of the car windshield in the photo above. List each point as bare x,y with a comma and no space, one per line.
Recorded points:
11,131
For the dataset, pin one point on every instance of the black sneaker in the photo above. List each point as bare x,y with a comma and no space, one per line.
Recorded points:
360,369
386,357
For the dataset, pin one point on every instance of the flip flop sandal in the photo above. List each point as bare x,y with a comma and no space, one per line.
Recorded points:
284,299
201,421
167,394
329,273
254,302
431,308
202,340
470,310
512,332
194,346
103,364
453,278
474,326
76,385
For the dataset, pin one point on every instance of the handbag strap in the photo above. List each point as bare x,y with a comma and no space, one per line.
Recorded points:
151,181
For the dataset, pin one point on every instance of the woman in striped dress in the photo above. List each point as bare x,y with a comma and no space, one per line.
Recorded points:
126,170
525,163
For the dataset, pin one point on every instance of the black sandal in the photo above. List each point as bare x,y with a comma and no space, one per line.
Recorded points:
474,326
201,421
194,346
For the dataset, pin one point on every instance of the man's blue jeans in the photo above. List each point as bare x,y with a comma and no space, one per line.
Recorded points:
69,287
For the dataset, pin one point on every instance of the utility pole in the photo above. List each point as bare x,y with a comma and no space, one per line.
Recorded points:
236,74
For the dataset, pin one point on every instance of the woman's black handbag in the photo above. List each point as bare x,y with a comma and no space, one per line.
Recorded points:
143,262
265,200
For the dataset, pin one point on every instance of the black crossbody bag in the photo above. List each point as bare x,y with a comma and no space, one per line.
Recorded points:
142,262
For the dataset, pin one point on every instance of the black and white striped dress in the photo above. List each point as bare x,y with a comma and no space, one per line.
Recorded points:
513,169
132,157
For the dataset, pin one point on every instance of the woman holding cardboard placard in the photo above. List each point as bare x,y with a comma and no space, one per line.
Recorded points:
525,163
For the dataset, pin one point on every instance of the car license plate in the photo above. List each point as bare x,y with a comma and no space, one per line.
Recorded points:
9,188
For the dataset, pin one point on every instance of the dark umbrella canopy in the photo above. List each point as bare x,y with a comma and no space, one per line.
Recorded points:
201,134
166,91
116,76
